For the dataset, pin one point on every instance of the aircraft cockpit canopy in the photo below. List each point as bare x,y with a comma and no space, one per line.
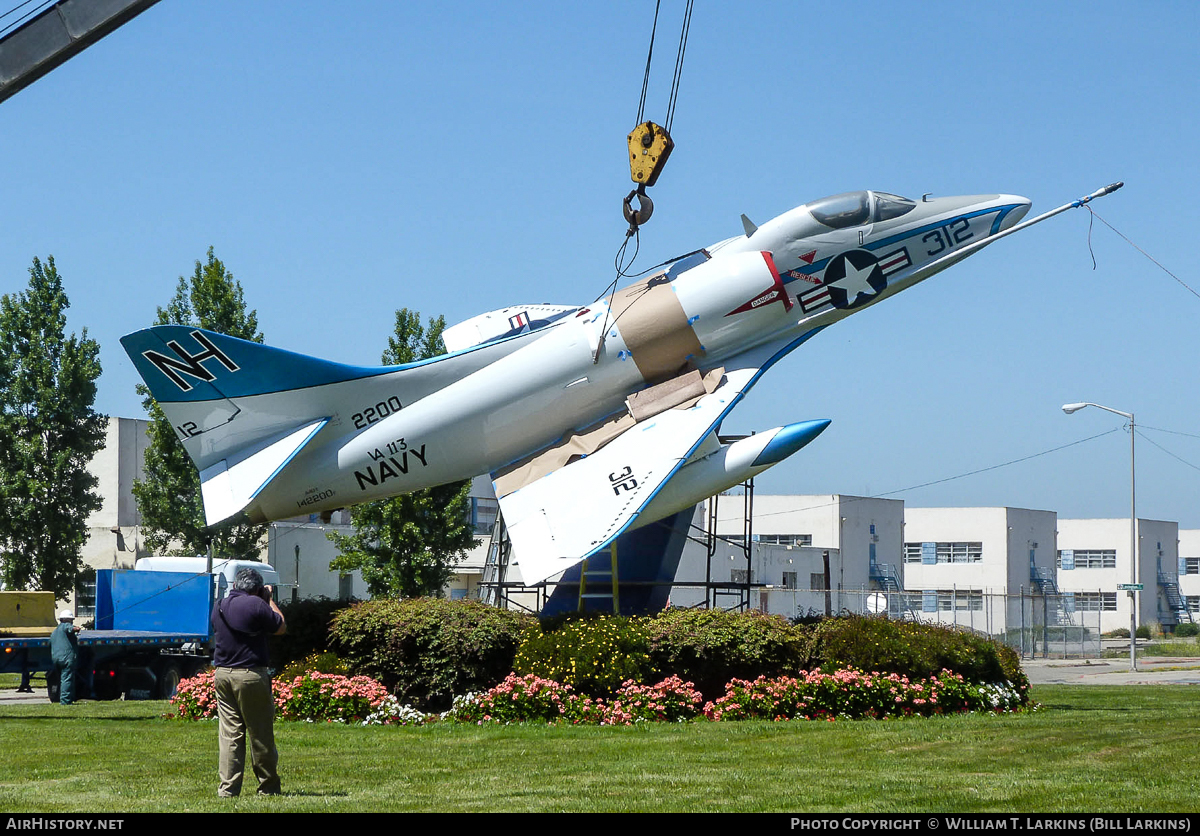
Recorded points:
842,211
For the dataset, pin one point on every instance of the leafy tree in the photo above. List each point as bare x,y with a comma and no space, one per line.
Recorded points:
407,546
48,434
169,497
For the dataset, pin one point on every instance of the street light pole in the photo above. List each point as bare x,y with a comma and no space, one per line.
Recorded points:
1133,551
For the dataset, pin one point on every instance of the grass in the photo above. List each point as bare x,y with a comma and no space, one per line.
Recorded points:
1089,748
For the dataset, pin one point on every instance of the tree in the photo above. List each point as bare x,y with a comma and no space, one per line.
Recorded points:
48,434
169,498
407,546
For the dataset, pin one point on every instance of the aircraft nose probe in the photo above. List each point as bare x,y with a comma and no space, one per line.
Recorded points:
1109,189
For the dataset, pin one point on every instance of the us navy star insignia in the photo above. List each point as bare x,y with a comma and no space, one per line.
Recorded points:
857,274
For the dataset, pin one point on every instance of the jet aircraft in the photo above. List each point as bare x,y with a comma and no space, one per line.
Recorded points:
592,420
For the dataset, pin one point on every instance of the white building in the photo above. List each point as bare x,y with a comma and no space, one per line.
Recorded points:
971,566
114,531
1189,571
791,539
1094,557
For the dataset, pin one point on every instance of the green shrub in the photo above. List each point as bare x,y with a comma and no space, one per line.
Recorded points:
426,650
913,649
1143,631
307,630
326,662
594,654
1186,629
711,647
1119,633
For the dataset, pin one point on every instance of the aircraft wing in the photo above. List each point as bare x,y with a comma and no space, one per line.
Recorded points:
581,507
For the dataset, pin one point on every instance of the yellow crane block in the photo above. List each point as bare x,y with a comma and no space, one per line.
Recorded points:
649,147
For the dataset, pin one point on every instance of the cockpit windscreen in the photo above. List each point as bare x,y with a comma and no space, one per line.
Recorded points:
842,211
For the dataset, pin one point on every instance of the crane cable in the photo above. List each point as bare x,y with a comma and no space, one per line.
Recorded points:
623,261
649,144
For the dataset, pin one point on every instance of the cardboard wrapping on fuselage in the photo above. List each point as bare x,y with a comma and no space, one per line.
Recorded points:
680,391
589,440
551,459
655,328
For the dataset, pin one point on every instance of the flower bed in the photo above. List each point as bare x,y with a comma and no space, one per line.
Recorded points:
312,696
846,694
530,698
852,694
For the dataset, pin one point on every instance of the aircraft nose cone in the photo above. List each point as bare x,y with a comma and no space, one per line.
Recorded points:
789,439
1017,213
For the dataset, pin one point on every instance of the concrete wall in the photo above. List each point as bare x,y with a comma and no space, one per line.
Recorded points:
114,531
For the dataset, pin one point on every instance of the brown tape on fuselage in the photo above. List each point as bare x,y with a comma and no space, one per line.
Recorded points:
583,443
655,328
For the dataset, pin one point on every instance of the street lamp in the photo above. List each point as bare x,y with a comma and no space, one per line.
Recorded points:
1133,561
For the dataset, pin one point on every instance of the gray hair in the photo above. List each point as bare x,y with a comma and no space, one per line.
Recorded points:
248,580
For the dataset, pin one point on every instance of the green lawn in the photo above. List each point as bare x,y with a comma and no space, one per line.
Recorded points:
1089,748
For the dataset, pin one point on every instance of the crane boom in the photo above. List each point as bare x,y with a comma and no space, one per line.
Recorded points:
56,35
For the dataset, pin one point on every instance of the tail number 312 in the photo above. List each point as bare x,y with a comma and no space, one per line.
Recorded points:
622,481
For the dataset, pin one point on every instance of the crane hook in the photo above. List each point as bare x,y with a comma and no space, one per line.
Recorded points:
642,214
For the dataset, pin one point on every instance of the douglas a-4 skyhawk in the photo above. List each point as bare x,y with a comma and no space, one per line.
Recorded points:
591,420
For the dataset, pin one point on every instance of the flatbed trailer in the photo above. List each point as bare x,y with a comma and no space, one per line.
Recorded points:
153,630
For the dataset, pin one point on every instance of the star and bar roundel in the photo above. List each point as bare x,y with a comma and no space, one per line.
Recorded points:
853,278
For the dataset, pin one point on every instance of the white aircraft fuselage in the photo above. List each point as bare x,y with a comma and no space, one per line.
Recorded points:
572,410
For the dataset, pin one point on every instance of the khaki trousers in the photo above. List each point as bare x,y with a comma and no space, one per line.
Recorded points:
246,710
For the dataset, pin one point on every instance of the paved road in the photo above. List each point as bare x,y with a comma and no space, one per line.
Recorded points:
1152,670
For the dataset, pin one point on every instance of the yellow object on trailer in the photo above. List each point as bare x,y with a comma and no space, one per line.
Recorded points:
27,613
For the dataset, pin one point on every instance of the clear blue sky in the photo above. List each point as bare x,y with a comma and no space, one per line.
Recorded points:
454,158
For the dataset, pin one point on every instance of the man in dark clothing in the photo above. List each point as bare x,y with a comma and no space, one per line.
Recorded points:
64,643
242,623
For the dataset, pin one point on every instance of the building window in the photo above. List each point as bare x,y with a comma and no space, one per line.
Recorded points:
85,595
1191,565
1095,601
961,599
816,580
784,539
1087,559
930,553
484,511
1193,603
789,580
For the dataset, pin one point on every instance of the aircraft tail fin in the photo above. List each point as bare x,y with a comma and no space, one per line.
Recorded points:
186,364
243,410
232,483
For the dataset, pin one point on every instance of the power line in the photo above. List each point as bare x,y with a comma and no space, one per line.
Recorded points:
1172,432
949,478
1143,252
1165,450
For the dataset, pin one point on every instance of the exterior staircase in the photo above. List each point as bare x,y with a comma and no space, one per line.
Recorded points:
1176,606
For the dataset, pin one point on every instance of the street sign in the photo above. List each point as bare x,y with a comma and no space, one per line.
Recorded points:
1131,587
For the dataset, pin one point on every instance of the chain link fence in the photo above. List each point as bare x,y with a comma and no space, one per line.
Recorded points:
1033,624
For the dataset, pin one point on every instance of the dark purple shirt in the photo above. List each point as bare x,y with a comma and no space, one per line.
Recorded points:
241,636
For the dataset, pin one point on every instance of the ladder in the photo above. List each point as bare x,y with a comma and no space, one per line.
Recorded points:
495,565
603,573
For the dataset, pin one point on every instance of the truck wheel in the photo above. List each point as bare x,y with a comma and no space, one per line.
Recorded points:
168,680
52,684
